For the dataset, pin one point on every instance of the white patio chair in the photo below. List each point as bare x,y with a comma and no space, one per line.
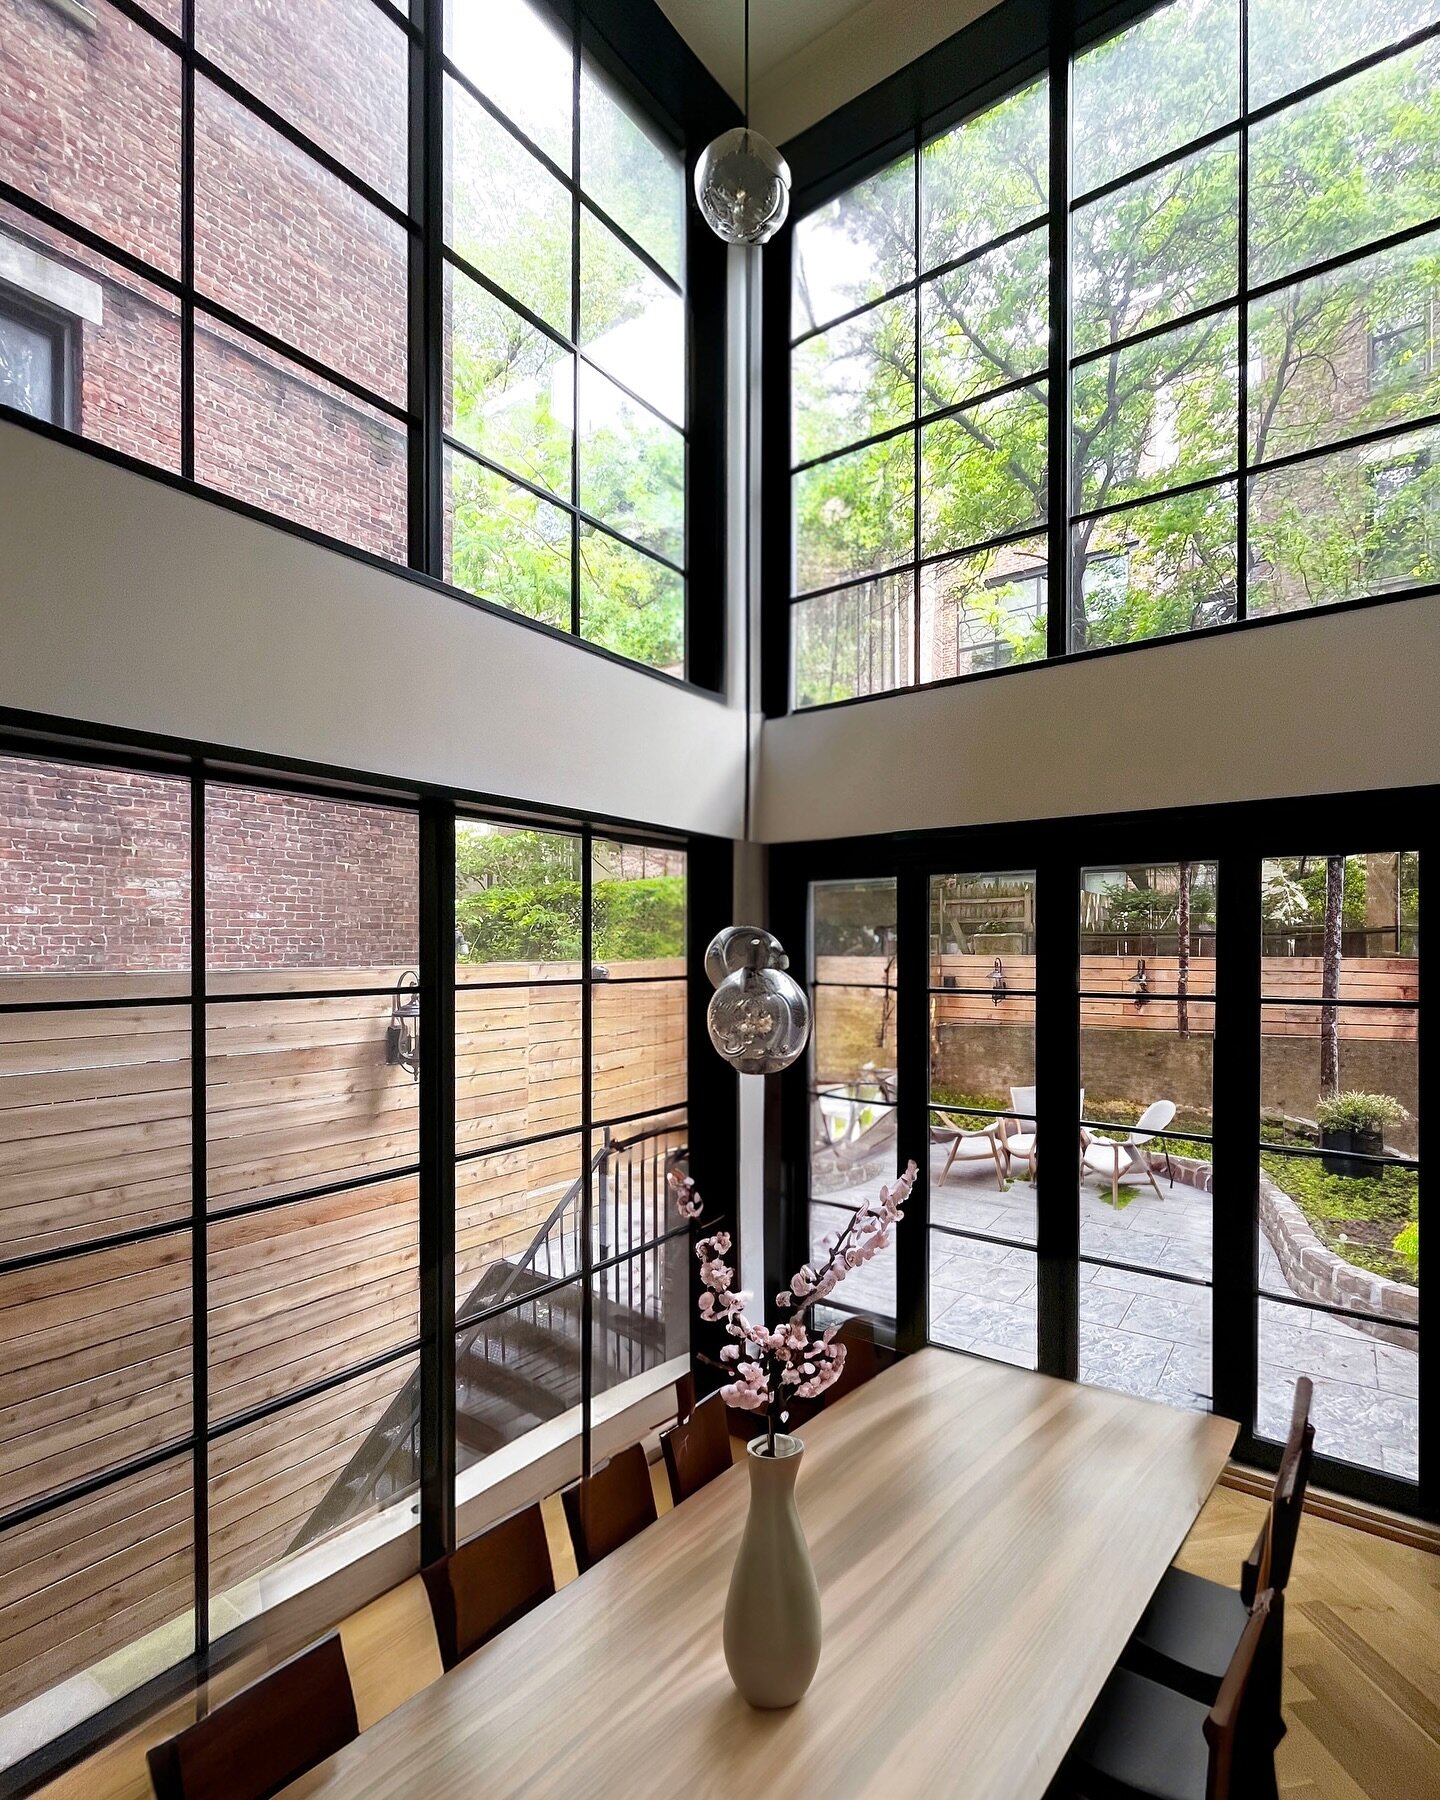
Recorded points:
969,1146
1116,1157
1018,1136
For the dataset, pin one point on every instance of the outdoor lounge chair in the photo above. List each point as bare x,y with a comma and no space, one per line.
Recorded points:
1124,1156
967,1145
1018,1136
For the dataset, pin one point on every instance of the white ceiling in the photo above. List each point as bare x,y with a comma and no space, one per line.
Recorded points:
715,31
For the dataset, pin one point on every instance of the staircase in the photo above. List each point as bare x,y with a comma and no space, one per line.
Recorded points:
517,1367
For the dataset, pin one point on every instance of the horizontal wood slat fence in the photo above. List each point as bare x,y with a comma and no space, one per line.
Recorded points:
95,1349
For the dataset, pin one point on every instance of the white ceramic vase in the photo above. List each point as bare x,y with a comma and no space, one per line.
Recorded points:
772,1612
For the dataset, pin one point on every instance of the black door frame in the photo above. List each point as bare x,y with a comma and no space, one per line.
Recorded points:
1237,837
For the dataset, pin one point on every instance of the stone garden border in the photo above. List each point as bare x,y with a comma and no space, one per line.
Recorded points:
1315,1272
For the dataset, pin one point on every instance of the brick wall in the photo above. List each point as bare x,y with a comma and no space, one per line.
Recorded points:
95,875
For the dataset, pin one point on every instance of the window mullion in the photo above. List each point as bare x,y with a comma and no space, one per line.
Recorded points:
1059,601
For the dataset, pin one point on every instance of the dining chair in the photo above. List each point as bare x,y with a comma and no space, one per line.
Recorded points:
697,1449
1143,1741
1188,1632
266,1737
606,1508
684,1397
488,1583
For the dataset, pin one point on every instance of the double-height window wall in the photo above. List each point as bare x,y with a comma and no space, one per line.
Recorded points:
1163,1077
252,1196
415,280
1140,352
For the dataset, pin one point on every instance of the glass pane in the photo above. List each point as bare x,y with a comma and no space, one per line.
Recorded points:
79,844
637,910
514,1372
855,515
1132,931
27,370
639,1054
332,279
1287,53
512,389
302,1093
983,471
107,99
506,544
94,1120
517,56
631,1206
632,467
1164,246
640,1314
631,323
326,889
100,1594
300,1293
1340,1230
1366,1409
852,1050
1372,1058
986,177
631,604
1345,352
1378,128
1151,1340
1354,522
853,929
858,641
871,1287
628,168
127,374
344,82
973,919
504,211
341,1466
984,611
854,380
517,1221
517,903
986,323
1165,81
1378,898
270,433
855,247
96,1364
517,1063
1155,569
983,1298
982,1058
1156,415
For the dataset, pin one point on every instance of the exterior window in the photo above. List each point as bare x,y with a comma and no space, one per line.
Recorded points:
1402,510
1224,346
32,362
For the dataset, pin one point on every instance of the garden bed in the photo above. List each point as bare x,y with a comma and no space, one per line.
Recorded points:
1359,1217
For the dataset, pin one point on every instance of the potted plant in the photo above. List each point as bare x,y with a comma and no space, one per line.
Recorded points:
1356,1123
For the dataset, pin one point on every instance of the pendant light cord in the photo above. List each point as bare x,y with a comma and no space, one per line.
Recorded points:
747,64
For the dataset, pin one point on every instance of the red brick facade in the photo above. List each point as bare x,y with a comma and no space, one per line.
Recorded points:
95,876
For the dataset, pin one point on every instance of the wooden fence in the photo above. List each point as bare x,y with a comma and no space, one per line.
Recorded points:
95,1348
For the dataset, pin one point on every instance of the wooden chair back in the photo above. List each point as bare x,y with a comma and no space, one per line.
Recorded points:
684,1397
864,1358
607,1508
258,1743
697,1449
1243,1727
487,1584
1270,1560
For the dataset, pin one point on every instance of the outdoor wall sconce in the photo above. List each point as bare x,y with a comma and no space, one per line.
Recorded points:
1141,982
997,981
402,1034
758,1017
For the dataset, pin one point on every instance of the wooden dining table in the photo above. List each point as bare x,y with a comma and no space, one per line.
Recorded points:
985,1540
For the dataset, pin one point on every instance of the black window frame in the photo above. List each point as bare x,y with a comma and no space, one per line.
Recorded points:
641,51
1238,837
59,331
985,63
708,1111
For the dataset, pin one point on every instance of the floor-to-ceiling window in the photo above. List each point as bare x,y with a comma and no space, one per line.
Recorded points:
1151,351
216,1034
224,254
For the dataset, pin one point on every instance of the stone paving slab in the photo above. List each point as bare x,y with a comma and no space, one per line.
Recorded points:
1141,1332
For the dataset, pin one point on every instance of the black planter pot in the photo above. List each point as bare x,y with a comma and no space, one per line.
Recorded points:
1364,1143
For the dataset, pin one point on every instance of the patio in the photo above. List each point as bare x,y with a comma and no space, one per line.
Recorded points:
1145,1333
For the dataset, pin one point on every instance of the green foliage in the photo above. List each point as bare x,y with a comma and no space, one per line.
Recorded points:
633,921
1358,1217
1359,1112
1407,1248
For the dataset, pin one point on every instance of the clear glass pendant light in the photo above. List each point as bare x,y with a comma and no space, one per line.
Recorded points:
742,182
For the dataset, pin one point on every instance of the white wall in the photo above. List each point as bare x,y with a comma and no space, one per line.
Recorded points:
1313,705
127,603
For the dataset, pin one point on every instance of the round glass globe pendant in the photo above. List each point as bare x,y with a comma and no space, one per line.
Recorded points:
742,182
759,1016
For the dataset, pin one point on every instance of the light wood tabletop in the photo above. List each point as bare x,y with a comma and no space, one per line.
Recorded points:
985,1540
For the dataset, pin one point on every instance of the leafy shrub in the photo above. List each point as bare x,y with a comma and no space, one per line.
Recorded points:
1407,1247
633,921
1359,1112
